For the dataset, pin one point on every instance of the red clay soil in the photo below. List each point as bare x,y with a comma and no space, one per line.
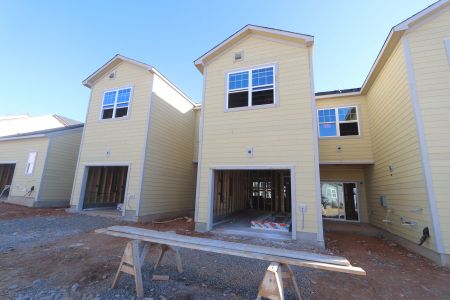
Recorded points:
11,211
392,272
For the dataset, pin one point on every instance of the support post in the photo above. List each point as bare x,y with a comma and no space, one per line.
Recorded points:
131,263
272,285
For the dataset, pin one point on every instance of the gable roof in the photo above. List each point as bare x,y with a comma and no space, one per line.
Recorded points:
117,59
23,124
113,62
394,37
249,29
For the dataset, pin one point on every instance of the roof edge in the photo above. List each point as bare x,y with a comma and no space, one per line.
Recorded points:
394,36
309,39
87,82
39,133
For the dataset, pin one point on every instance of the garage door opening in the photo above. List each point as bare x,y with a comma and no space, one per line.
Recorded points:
105,187
6,177
252,202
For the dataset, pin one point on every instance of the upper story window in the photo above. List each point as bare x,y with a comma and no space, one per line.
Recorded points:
341,121
251,87
115,103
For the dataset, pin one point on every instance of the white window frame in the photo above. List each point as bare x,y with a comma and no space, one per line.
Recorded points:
250,88
115,104
32,164
337,122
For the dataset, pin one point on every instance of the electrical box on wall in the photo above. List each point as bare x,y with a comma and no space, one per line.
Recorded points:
383,201
250,151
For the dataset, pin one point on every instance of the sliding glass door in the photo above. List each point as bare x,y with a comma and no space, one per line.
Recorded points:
340,201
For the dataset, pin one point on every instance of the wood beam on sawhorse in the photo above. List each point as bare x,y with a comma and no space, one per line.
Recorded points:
276,277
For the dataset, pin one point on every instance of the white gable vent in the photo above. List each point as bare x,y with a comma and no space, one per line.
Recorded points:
238,56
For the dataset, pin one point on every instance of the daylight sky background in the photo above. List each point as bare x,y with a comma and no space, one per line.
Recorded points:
48,47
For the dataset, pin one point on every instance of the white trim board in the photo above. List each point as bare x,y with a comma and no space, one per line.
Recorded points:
315,125
423,148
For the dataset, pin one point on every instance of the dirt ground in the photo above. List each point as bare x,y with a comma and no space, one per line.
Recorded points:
11,211
81,266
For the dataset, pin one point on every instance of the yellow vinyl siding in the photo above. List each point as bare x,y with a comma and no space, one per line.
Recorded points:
17,151
60,168
395,143
197,113
353,148
349,173
123,138
281,135
432,73
169,180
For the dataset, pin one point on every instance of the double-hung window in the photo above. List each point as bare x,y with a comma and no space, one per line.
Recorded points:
251,87
116,103
341,121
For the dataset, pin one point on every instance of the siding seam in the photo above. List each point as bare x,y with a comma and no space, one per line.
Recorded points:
199,150
144,151
79,159
41,178
423,147
316,151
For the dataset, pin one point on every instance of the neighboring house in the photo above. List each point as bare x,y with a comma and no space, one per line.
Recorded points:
137,147
258,149
37,168
378,154
10,125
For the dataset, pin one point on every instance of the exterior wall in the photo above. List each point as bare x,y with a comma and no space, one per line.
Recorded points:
17,151
197,113
124,139
169,178
281,135
57,180
395,143
432,73
349,173
354,148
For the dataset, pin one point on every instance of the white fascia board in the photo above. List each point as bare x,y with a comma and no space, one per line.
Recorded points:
23,137
338,95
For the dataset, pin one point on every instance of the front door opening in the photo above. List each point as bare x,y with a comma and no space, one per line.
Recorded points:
105,187
252,201
340,201
6,177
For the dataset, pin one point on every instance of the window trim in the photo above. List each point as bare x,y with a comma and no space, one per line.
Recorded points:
115,104
338,130
250,87
34,163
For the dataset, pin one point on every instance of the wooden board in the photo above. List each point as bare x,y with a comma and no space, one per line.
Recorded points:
303,255
290,257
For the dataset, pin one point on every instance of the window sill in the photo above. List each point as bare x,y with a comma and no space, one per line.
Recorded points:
340,137
114,119
251,107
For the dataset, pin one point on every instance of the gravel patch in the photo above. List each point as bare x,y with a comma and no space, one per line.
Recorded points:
30,232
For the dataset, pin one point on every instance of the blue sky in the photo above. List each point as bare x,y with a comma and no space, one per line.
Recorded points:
48,47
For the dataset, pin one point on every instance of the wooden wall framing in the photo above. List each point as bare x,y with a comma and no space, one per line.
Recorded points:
105,186
6,175
261,190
